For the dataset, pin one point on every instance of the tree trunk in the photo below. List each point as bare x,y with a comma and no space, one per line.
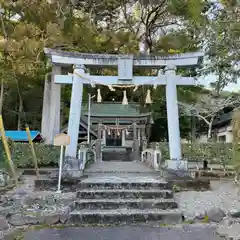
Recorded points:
5,47
209,135
20,109
193,129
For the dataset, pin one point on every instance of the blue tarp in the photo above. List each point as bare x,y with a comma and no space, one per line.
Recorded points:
21,136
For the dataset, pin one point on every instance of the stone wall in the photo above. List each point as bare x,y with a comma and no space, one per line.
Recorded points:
48,155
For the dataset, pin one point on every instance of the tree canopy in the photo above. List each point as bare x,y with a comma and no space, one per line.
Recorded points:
110,26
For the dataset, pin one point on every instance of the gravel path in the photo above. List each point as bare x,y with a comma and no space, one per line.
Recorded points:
224,195
185,232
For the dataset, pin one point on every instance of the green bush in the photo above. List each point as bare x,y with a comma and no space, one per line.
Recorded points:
3,160
48,155
213,152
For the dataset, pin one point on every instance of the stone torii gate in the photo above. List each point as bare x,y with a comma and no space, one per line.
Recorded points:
125,64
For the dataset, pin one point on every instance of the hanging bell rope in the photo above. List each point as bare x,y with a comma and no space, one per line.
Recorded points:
135,89
87,77
148,99
99,97
123,86
111,88
125,100
111,128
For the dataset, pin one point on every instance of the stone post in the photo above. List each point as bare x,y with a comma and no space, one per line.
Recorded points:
143,138
136,152
75,112
51,107
135,131
99,144
172,114
144,144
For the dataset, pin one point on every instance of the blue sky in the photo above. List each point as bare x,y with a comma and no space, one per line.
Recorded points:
211,78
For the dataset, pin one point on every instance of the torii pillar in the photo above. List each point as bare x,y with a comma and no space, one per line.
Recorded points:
51,106
174,138
75,111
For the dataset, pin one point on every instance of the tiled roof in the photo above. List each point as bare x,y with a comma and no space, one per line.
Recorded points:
111,110
224,118
114,110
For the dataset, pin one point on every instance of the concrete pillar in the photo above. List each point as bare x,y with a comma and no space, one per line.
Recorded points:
134,130
143,138
172,114
136,152
46,109
51,107
98,144
75,112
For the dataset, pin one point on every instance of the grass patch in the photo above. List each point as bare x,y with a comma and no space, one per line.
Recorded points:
205,219
45,226
19,237
62,226
164,225
17,234
176,188
190,221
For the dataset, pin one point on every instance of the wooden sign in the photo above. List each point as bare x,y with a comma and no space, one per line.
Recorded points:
61,140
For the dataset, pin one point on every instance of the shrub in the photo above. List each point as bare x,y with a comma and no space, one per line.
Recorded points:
48,155
213,152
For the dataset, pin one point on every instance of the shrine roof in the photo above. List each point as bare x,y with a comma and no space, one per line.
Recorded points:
115,110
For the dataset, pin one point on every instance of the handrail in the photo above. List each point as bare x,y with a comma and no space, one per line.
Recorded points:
152,157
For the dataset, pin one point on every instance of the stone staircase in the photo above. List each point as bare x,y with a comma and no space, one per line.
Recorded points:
125,198
120,155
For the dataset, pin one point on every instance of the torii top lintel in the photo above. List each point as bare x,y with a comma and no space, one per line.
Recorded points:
60,57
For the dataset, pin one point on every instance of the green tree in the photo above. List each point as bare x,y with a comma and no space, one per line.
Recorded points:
222,43
109,26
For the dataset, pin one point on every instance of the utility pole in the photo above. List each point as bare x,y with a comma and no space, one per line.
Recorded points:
89,116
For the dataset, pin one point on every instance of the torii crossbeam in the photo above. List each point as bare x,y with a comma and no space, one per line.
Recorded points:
125,64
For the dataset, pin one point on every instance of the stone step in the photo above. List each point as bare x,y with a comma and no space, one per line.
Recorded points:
118,167
125,216
126,203
125,185
116,171
117,156
123,193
